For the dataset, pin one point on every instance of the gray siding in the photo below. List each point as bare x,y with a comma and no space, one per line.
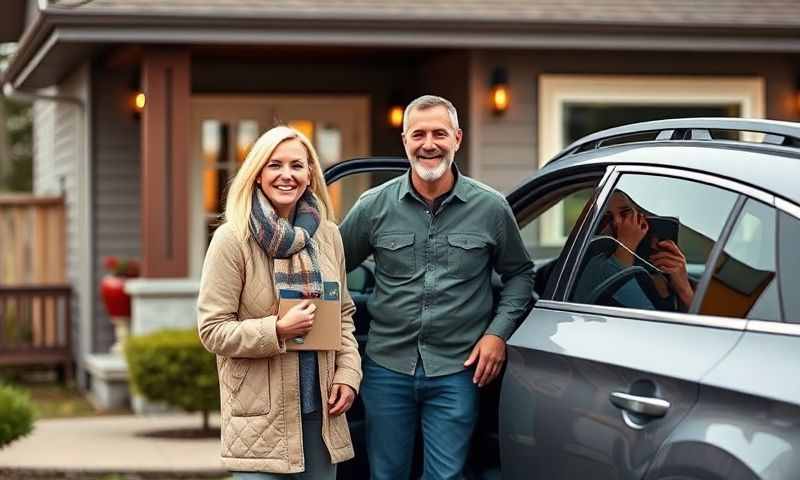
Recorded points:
116,175
505,147
59,147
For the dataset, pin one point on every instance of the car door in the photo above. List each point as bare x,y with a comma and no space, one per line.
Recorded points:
362,173
607,364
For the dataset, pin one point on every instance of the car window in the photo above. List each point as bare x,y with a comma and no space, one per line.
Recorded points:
651,243
744,283
789,266
546,228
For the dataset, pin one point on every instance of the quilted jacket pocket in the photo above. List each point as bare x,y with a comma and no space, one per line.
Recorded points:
246,384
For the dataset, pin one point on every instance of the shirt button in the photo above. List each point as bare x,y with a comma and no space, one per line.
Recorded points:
393,244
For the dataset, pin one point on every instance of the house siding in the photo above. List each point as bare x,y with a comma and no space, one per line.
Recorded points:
59,151
116,177
505,147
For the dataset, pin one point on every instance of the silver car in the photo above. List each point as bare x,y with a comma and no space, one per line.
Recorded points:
666,338
666,341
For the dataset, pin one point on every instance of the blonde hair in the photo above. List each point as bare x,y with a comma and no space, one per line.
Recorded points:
240,193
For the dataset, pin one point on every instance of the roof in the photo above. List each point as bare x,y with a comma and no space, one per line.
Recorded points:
680,13
67,32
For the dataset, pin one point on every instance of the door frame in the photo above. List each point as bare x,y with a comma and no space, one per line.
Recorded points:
229,107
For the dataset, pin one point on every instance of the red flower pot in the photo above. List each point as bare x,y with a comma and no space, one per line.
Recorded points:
118,303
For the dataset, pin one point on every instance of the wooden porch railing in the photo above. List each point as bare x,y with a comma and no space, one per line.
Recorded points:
36,326
35,323
32,240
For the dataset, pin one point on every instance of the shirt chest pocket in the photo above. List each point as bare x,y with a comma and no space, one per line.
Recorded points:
394,254
467,255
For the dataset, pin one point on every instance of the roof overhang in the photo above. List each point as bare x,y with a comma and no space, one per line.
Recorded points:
59,41
12,21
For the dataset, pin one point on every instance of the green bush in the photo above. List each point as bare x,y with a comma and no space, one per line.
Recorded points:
171,366
16,414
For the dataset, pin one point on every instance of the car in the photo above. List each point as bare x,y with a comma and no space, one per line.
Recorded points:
664,342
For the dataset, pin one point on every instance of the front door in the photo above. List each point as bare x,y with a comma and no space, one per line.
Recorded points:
225,127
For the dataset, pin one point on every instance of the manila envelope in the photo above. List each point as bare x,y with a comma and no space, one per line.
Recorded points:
326,333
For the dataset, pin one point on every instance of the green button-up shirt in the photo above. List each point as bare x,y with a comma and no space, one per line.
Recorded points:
433,295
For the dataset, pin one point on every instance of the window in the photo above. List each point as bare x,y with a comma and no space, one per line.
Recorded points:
649,225
545,239
743,284
571,106
789,266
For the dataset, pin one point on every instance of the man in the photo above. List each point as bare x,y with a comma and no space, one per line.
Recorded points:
436,236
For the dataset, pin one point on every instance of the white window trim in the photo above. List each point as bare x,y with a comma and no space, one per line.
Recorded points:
557,90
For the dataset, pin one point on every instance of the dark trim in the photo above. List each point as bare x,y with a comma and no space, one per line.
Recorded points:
168,160
89,26
364,164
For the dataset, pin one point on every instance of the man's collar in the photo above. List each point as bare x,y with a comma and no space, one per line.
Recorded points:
459,189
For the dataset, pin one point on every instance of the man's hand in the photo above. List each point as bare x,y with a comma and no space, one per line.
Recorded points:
340,399
490,352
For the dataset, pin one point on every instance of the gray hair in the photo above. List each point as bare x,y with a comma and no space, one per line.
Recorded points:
429,101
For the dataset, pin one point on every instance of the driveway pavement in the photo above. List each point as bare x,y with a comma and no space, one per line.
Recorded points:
112,444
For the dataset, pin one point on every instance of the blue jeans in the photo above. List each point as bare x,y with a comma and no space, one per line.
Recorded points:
446,407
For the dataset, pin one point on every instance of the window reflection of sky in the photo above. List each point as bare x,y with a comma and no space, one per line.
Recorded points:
700,207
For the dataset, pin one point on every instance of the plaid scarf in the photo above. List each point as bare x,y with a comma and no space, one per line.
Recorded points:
293,248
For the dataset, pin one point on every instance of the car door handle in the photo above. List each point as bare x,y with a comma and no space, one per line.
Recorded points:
650,406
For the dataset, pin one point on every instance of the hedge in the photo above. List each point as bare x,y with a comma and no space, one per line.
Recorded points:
16,414
171,366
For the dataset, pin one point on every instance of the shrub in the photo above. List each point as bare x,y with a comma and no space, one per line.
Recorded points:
16,414
171,366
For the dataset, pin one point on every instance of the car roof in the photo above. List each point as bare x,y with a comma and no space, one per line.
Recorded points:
773,164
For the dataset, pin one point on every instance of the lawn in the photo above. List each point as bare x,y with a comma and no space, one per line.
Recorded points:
51,398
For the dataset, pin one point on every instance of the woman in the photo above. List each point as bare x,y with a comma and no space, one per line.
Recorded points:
282,412
626,225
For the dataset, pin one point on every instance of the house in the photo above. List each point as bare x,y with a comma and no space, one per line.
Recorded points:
214,73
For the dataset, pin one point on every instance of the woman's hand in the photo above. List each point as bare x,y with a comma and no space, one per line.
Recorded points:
630,230
340,399
297,321
671,260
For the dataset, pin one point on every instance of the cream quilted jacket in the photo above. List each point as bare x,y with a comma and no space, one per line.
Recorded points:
259,379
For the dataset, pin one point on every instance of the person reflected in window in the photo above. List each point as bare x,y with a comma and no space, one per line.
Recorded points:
623,229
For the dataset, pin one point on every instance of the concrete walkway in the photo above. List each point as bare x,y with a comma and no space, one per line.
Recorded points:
114,444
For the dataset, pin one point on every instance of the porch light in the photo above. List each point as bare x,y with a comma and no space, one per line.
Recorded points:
396,116
139,100
499,91
397,108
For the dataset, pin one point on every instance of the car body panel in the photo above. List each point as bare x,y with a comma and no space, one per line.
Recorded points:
730,435
556,419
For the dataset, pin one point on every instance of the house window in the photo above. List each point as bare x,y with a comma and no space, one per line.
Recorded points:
571,106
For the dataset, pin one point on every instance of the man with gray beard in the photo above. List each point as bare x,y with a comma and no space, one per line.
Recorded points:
436,236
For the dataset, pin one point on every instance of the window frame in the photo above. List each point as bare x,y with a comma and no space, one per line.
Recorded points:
691,317
539,190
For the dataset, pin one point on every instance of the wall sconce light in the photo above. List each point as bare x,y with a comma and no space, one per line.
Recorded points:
138,101
797,96
499,91
396,110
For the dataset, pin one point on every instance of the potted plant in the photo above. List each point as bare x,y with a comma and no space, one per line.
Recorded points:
117,302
